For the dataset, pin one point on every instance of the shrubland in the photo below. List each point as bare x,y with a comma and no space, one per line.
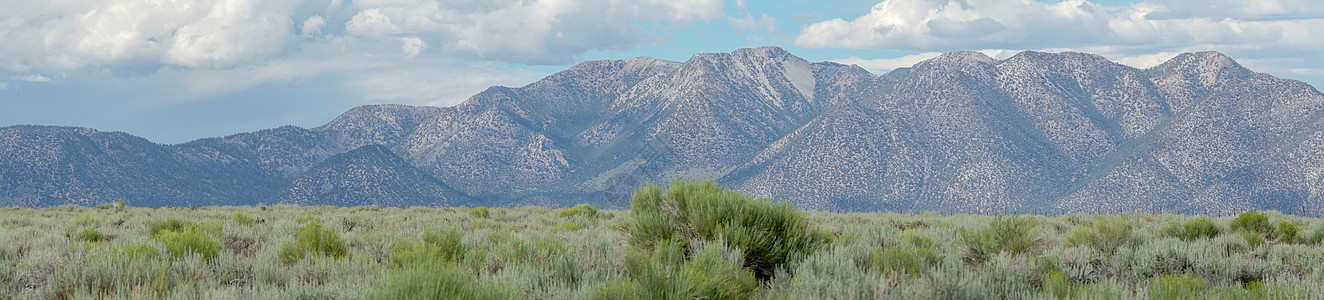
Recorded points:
687,240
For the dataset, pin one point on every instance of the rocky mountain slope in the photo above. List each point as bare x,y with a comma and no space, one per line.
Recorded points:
960,132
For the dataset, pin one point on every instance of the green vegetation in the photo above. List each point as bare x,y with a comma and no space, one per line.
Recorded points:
312,239
479,212
438,281
189,242
584,210
690,240
690,212
242,218
1192,229
1252,221
169,224
90,235
1105,234
1010,236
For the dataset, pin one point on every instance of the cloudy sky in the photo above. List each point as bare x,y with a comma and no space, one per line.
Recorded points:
177,70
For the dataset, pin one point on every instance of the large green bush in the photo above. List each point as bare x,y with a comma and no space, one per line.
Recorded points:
437,246
584,210
1252,221
312,239
90,235
1285,232
171,224
770,233
188,242
1105,234
1010,235
1193,229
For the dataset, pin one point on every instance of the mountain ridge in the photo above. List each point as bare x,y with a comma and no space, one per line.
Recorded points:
959,132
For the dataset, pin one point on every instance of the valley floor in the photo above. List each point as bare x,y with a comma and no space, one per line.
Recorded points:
323,252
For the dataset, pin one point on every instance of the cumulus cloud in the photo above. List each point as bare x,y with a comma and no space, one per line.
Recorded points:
74,34
530,32
412,46
992,24
1281,37
312,26
66,35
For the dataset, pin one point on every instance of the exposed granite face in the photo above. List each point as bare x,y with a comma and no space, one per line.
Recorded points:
959,132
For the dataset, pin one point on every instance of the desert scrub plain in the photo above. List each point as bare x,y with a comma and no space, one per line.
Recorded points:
690,240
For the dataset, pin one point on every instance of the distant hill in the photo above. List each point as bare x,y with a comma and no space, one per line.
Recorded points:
959,132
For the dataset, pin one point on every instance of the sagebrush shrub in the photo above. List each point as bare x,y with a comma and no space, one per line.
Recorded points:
307,218
180,244
437,246
312,239
917,240
90,235
584,210
1192,229
1010,235
1254,239
716,272
1316,236
1285,232
1252,221
1057,285
242,218
770,233
1176,286
905,260
1104,234
87,219
480,212
437,281
171,224
145,251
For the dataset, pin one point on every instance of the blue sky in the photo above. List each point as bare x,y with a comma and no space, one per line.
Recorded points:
181,70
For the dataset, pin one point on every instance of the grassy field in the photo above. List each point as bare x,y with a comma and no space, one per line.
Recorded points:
691,240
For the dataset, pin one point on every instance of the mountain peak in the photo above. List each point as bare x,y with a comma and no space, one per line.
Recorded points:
963,57
1206,70
765,51
1201,61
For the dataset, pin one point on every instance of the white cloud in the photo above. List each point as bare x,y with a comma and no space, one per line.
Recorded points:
1280,37
68,35
412,46
34,78
4,86
371,23
940,25
313,26
75,34
531,32
233,31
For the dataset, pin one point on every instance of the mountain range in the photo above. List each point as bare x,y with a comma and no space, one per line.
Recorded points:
1052,132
